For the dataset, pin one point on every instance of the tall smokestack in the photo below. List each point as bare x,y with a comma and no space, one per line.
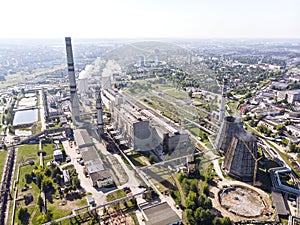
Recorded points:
72,80
99,114
222,110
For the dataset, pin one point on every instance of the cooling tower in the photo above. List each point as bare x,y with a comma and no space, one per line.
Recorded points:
239,162
230,126
106,82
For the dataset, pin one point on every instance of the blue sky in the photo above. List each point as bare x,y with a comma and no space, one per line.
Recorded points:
150,18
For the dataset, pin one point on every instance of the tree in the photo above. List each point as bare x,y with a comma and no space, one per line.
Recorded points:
58,178
39,179
76,182
185,186
40,203
193,186
292,147
55,171
104,210
203,216
23,216
190,93
181,177
189,214
28,178
191,201
204,202
207,203
151,159
226,221
66,190
229,94
217,221
206,189
48,172
47,185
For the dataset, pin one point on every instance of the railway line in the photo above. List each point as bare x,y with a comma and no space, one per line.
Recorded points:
6,182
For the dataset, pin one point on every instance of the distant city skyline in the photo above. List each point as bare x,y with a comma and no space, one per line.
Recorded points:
150,19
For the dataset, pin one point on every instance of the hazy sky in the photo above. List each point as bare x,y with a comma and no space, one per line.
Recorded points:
150,18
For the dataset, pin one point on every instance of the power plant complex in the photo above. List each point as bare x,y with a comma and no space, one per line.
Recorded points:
140,128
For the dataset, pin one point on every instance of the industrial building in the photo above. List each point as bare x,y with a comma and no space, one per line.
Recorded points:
290,96
141,128
99,175
160,213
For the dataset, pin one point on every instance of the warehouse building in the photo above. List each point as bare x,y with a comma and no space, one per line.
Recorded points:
100,176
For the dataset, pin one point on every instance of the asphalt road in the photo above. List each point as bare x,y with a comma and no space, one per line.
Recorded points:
86,184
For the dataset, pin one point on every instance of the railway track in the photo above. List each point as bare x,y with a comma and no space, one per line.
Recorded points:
6,183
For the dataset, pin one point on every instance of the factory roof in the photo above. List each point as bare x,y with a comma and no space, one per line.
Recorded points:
94,166
82,138
96,176
89,153
293,91
93,162
132,115
279,203
57,152
161,214
161,121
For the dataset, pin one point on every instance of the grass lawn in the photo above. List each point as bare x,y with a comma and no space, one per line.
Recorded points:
177,94
199,133
195,130
135,158
164,86
56,209
33,208
38,126
65,210
2,161
27,152
48,149
115,195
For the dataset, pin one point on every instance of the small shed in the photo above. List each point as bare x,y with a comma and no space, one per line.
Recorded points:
57,155
90,199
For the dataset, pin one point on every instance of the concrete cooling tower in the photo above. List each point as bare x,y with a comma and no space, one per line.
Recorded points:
240,156
230,126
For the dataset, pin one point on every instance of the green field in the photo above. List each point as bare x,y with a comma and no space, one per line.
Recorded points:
48,151
2,161
27,152
115,195
54,206
177,94
135,158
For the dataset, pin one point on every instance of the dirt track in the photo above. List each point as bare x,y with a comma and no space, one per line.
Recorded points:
268,214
